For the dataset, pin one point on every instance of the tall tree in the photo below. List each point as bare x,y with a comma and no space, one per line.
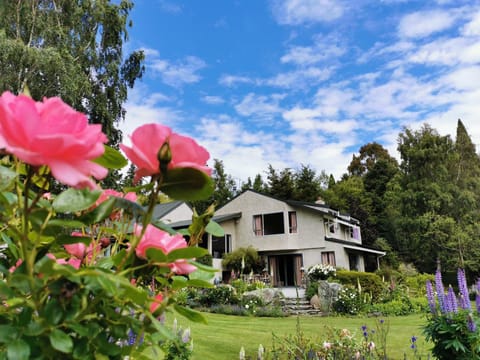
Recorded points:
280,185
369,155
424,198
225,188
71,49
307,185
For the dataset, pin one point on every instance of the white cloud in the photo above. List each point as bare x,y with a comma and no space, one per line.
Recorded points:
472,28
447,51
175,74
142,108
298,78
296,12
259,106
325,48
170,7
232,80
424,23
212,100
304,119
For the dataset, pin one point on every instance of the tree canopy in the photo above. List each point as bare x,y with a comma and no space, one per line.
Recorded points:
71,49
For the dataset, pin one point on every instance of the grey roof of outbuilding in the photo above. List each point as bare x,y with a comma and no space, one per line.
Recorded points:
217,218
160,210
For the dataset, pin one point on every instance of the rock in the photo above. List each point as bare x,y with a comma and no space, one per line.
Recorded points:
327,294
269,296
315,302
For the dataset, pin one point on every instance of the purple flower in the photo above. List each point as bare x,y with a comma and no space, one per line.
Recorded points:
471,323
477,298
463,288
440,291
431,297
413,342
451,301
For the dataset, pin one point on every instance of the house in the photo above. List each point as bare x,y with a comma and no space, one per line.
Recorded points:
290,235
172,212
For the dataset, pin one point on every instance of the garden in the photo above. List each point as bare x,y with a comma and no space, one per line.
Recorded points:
88,273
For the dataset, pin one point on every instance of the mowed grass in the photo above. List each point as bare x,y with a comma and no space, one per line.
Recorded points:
224,335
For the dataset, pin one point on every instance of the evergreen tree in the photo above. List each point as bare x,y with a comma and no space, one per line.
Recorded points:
307,186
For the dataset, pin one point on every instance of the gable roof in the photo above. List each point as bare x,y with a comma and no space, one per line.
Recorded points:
160,210
216,218
322,208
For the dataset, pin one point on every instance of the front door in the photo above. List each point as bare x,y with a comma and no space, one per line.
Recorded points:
286,270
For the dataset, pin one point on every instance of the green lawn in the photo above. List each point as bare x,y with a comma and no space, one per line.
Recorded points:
224,335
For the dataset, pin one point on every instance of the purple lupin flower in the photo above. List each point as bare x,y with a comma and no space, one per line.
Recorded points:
440,291
463,288
431,298
471,323
477,298
451,303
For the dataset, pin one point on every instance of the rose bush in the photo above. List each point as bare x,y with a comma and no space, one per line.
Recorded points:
85,271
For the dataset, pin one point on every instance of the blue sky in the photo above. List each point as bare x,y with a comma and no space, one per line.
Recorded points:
291,82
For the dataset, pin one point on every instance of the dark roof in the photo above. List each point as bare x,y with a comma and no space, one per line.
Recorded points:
217,218
355,246
160,210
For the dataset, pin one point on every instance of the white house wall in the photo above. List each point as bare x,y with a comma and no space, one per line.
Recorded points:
309,239
180,213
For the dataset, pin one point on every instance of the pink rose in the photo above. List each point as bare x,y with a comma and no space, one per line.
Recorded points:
72,262
156,238
157,300
146,143
54,134
81,251
17,264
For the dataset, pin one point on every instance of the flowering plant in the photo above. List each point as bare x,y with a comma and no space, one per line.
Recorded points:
87,273
320,272
453,325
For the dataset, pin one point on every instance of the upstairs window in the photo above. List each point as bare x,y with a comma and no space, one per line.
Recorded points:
292,222
355,232
268,224
331,226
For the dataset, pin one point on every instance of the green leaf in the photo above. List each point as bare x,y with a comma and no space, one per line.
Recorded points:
130,207
53,312
186,253
214,229
61,341
100,213
190,314
73,200
7,332
12,247
156,255
63,239
7,177
66,223
18,350
111,159
164,227
187,184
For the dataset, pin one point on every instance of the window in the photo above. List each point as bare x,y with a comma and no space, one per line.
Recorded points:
331,226
268,224
328,258
221,245
355,232
292,222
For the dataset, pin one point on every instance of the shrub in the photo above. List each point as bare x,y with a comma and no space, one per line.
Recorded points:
218,295
248,257
320,272
348,302
312,289
369,282
416,283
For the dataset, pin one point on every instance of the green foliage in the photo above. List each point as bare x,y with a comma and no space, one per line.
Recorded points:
248,257
312,289
73,50
218,295
452,338
370,283
349,301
